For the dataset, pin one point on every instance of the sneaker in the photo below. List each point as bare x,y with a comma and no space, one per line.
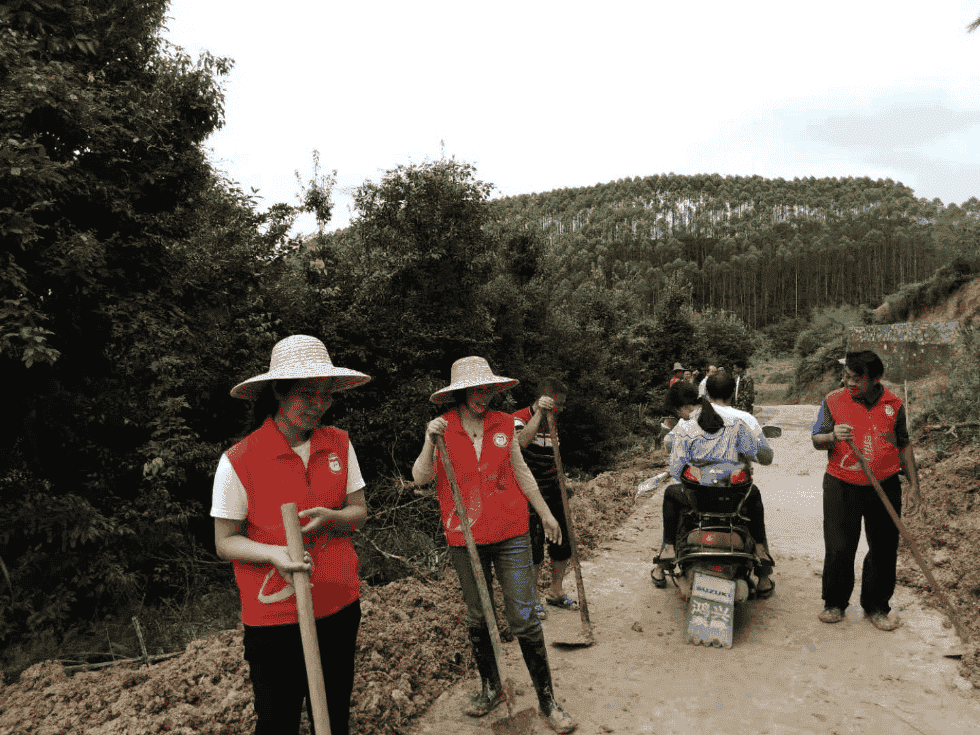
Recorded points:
563,601
881,621
831,615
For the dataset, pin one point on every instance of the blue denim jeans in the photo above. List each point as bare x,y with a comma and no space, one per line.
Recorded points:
512,561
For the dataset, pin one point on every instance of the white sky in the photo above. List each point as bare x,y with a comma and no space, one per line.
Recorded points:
545,95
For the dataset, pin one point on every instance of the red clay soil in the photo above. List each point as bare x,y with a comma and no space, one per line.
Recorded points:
950,524
412,647
411,644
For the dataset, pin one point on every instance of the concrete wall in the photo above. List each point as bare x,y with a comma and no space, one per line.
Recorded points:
909,350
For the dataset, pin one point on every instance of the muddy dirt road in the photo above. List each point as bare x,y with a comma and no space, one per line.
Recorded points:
787,673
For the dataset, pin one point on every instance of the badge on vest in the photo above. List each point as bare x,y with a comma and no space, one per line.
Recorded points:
500,439
334,461
889,411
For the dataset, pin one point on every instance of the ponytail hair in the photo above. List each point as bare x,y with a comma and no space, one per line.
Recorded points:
709,420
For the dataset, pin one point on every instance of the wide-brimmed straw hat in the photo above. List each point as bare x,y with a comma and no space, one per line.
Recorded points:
296,357
470,372
678,366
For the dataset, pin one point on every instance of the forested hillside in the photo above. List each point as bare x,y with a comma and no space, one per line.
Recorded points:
762,249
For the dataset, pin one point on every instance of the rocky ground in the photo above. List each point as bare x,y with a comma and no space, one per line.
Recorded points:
787,673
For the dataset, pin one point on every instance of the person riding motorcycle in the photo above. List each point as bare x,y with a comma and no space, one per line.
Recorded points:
704,436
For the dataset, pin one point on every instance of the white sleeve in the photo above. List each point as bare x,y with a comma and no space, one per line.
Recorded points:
354,480
755,428
228,498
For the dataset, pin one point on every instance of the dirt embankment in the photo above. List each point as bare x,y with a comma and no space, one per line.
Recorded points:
787,673
411,648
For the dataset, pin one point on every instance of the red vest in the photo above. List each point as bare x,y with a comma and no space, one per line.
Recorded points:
874,437
273,474
524,414
494,501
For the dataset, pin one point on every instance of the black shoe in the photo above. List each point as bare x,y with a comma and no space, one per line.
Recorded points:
660,584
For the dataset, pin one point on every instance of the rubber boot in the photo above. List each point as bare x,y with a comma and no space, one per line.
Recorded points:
536,658
491,690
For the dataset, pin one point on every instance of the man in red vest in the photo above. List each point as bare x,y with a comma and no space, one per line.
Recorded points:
873,418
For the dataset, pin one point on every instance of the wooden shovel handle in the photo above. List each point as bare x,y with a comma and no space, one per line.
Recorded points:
961,630
583,604
481,582
307,623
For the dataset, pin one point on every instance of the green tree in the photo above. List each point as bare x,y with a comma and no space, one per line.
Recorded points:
112,283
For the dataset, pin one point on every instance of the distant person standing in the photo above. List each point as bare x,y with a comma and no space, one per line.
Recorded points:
703,386
676,374
873,418
538,448
744,396
689,376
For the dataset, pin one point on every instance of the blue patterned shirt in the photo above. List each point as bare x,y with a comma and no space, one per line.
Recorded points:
693,445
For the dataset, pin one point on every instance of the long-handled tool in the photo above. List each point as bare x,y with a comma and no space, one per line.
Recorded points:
307,623
588,636
961,630
522,722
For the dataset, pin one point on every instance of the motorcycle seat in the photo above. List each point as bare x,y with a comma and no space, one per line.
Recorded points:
718,539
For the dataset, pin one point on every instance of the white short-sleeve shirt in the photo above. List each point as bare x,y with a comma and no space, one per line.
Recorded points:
230,501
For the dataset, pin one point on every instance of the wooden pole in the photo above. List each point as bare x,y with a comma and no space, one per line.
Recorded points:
307,622
481,582
583,604
961,630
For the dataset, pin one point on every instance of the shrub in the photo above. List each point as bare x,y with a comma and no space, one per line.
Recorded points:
783,334
961,401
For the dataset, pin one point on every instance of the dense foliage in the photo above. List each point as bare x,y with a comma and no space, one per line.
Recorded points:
125,266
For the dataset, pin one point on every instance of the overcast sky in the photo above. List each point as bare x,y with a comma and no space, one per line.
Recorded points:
545,95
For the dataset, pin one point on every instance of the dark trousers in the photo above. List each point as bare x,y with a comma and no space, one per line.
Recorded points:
557,552
844,505
675,501
277,671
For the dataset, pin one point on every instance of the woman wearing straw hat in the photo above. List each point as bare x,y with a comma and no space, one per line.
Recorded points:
496,486
292,458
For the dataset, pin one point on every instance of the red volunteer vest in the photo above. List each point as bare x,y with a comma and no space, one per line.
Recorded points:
273,474
874,437
494,501
524,414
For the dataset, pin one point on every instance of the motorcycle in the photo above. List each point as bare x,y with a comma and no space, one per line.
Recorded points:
716,566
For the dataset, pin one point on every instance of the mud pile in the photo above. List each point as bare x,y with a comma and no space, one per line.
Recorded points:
409,652
412,646
947,530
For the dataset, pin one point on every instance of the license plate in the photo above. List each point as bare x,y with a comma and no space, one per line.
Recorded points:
710,616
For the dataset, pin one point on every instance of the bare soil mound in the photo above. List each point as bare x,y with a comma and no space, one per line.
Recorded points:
947,530
413,649
962,306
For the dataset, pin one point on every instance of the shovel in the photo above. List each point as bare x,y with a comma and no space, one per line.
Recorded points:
523,722
307,623
588,637
961,630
